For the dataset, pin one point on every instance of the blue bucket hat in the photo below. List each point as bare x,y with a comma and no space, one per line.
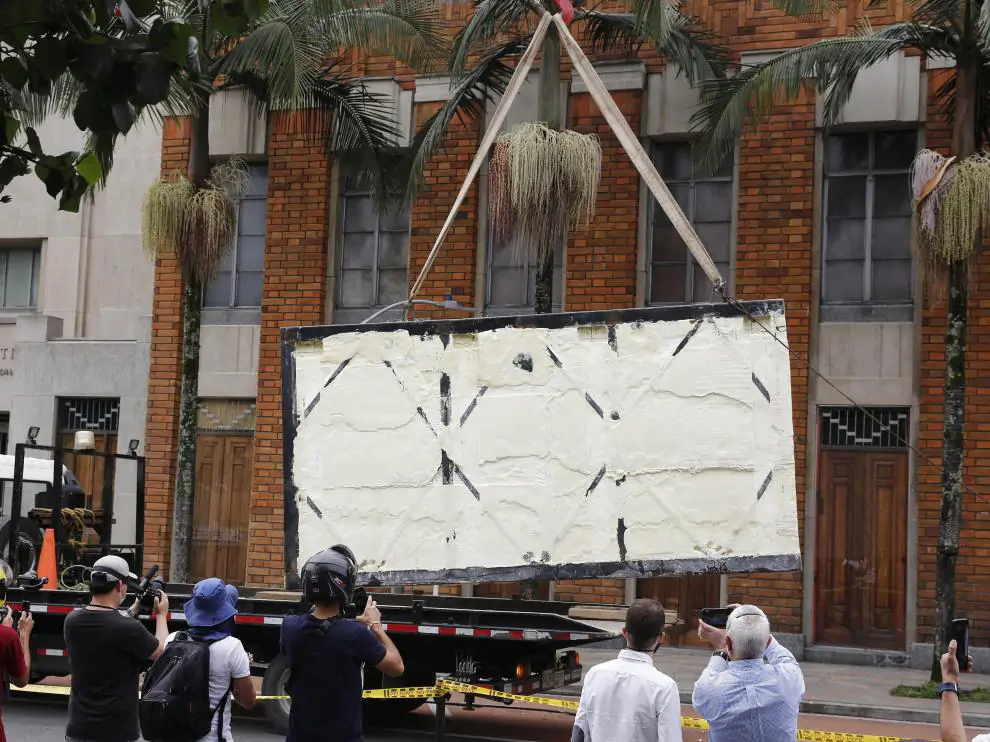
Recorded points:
212,603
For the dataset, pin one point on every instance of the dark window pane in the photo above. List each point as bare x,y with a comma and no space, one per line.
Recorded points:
36,278
251,217
845,152
250,253
391,286
894,150
846,197
258,184
359,250
360,181
891,196
248,289
508,286
725,170
703,287
667,282
891,238
674,161
393,250
843,280
396,217
504,254
713,202
17,292
845,239
360,214
668,247
682,194
716,238
217,292
355,288
892,280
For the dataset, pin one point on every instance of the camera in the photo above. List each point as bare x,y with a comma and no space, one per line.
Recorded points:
359,601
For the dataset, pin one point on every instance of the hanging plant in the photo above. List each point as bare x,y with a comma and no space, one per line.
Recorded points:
543,183
951,208
196,225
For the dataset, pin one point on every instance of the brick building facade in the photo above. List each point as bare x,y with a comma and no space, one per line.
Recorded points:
818,218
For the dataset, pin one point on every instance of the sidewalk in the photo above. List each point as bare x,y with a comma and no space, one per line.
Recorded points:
837,690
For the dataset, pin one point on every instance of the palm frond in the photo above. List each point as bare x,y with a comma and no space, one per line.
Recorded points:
688,47
490,20
830,66
810,9
945,101
468,101
408,30
356,126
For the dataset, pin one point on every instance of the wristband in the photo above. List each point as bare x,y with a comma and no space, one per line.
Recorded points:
943,687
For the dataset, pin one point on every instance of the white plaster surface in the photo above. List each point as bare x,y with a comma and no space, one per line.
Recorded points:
691,444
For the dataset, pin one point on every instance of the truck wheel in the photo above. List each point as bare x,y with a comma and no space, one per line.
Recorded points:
273,684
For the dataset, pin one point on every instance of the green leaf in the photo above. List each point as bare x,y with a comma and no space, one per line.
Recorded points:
88,111
88,166
13,71
34,143
124,116
49,57
152,79
227,17
10,128
72,194
10,168
93,64
171,40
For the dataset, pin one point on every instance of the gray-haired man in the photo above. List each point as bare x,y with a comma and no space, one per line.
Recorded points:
751,690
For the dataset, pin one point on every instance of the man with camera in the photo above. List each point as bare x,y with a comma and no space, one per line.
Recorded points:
108,650
751,690
327,652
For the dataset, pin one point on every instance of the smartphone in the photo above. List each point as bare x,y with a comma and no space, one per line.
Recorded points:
717,618
960,632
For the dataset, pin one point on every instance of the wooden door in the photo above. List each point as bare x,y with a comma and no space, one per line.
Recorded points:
221,506
861,561
686,596
89,469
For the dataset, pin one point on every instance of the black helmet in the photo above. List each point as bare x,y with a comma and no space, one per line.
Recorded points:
330,575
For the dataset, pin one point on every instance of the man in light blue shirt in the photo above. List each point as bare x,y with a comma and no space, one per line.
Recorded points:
751,690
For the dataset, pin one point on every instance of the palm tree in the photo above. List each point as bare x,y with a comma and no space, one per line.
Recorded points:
953,197
549,159
292,55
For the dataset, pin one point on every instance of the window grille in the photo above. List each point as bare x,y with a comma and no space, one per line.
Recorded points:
86,413
226,416
870,427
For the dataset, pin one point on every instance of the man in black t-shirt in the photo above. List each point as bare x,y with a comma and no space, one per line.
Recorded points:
107,652
327,653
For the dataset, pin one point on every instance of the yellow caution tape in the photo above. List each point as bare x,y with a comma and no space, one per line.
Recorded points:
453,687
444,686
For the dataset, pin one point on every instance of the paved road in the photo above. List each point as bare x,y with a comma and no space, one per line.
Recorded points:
44,721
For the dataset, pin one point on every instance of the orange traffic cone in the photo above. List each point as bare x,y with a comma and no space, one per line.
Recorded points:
46,563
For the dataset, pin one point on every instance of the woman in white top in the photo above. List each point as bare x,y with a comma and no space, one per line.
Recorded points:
210,616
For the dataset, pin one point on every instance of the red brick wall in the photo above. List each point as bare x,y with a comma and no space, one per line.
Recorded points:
162,437
601,262
294,294
774,259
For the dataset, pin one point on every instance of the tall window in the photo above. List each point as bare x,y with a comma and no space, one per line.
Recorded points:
238,285
675,277
511,285
374,254
867,232
20,275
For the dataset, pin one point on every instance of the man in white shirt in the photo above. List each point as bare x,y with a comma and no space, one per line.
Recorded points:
628,699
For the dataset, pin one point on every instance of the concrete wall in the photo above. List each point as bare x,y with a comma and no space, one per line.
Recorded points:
89,334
